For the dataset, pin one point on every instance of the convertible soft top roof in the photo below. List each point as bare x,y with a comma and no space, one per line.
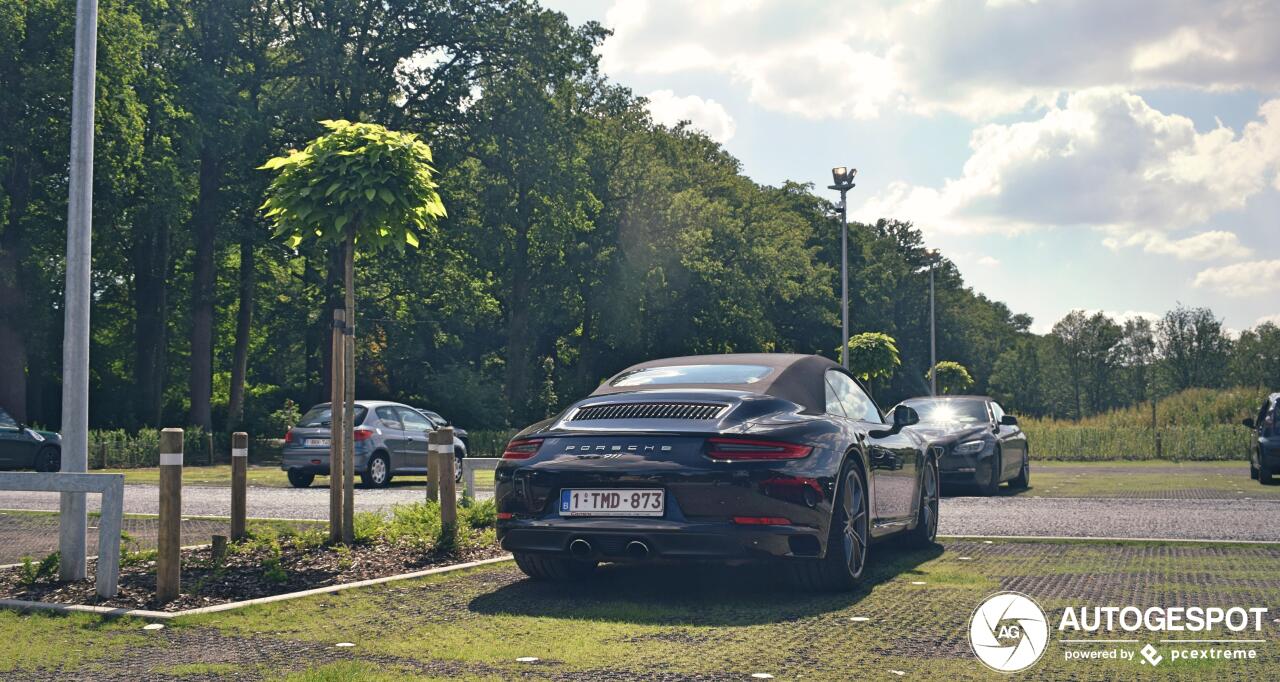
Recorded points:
798,378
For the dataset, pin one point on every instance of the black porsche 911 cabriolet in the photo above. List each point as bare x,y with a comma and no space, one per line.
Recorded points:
718,457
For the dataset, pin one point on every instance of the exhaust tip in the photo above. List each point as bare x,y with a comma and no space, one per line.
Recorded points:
637,549
580,548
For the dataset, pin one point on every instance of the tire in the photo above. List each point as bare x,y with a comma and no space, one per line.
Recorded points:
1023,480
1265,474
301,479
48,460
990,486
925,534
553,568
846,557
1253,471
378,473
457,464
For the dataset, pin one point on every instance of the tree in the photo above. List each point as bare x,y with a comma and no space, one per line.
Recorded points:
1255,358
358,184
872,355
1017,379
1193,348
953,377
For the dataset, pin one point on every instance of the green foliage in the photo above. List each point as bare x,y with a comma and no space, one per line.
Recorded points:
30,572
284,418
873,355
953,377
358,179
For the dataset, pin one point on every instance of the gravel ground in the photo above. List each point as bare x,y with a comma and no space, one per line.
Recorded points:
1190,519
1103,517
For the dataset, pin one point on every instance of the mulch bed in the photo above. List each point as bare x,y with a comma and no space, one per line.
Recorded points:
243,575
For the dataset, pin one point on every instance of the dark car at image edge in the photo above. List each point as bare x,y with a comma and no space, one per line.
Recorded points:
726,458
1264,456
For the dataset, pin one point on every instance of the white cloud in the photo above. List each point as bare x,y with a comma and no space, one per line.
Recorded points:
1242,279
705,114
989,261
974,57
1212,245
1272,319
1104,159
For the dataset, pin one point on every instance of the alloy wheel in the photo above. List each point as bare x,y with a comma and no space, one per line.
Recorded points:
929,501
854,533
378,471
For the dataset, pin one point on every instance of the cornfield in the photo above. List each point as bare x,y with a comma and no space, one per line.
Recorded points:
1064,441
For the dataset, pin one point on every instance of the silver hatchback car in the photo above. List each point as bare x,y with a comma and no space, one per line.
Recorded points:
390,440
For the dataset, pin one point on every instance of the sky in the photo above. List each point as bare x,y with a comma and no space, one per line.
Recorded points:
1113,156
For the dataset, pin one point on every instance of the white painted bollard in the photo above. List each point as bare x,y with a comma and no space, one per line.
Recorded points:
239,481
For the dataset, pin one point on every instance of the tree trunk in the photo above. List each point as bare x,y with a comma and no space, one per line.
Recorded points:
150,303
204,220
518,342
349,374
244,322
13,251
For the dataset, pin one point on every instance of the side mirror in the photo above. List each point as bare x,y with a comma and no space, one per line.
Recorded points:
904,416
1248,422
1009,420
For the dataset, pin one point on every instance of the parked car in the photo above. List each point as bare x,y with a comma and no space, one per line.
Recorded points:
22,447
981,444
390,440
1264,460
723,458
461,445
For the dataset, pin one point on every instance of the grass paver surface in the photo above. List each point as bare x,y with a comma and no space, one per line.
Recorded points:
677,622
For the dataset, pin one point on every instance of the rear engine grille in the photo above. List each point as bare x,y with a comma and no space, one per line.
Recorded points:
649,411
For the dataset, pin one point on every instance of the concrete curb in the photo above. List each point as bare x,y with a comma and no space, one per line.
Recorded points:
20,605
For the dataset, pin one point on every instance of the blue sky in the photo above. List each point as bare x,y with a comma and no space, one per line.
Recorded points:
1107,156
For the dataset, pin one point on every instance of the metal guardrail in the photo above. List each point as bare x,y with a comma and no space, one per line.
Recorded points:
111,487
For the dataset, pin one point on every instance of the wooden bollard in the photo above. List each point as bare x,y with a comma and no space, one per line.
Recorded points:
169,542
448,489
239,481
433,466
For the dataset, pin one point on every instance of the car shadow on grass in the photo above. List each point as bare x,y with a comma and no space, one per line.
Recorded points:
693,593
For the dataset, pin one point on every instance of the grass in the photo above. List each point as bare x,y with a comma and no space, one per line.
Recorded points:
36,641
685,621
268,476
1144,479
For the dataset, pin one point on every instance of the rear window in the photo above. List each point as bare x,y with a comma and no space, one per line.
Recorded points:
693,374
322,415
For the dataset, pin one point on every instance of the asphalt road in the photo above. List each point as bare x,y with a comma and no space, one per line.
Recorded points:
1190,519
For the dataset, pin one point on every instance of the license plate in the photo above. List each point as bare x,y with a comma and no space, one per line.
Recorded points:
316,442
628,502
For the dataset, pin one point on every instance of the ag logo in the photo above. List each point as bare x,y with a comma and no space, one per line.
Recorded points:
1008,632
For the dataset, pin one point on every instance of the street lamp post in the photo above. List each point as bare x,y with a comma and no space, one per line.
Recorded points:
842,182
75,343
933,336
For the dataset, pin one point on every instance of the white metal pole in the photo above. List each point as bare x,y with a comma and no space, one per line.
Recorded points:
75,335
844,280
933,343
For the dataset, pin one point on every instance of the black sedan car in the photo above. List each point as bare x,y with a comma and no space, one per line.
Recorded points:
979,444
722,458
1264,460
22,447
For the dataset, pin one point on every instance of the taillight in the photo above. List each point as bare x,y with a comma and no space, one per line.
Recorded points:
288,436
522,449
737,448
362,434
505,516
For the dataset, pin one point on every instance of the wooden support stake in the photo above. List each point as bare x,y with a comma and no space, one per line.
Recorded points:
219,548
336,429
448,490
239,482
169,542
